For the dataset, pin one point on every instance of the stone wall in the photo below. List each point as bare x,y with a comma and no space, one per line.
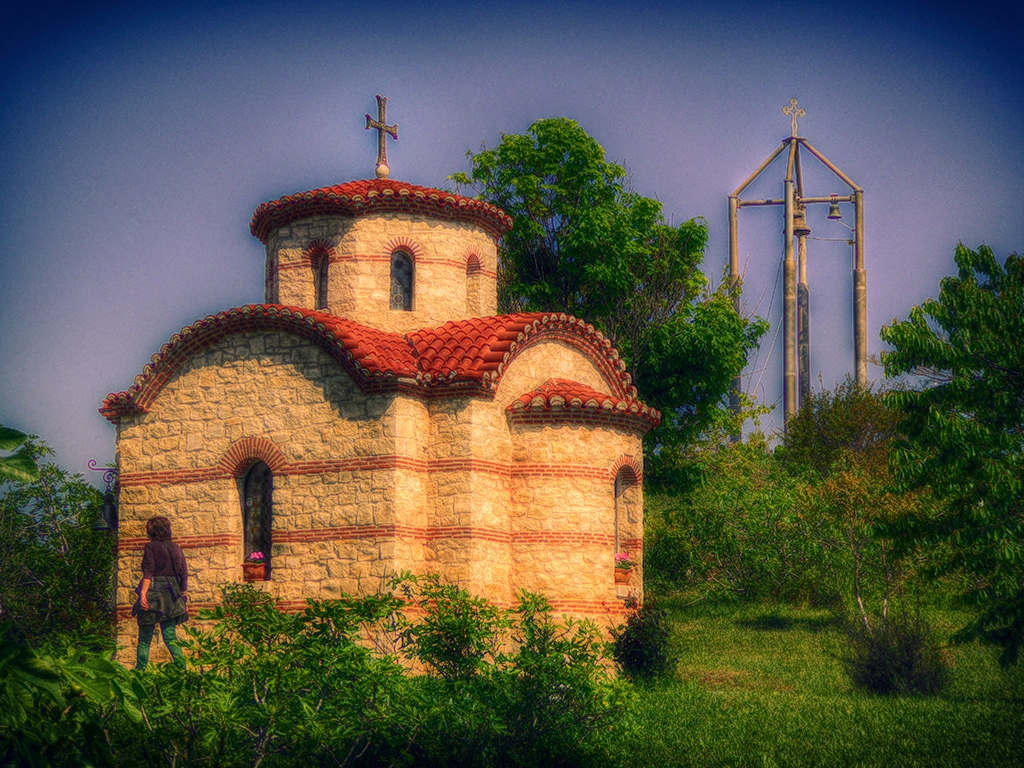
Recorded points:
334,452
454,268
367,485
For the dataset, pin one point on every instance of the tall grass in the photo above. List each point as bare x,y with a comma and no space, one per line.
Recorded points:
765,686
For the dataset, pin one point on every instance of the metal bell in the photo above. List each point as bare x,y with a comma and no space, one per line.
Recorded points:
800,228
833,211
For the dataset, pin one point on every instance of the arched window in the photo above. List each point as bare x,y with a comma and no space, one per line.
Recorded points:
321,267
401,281
257,510
626,501
474,273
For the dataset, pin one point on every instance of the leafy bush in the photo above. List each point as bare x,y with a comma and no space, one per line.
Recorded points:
517,687
55,571
458,635
333,685
268,687
736,532
641,646
896,654
54,703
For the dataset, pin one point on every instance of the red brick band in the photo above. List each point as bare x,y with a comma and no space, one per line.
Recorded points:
306,262
133,543
124,612
230,466
562,471
345,532
592,607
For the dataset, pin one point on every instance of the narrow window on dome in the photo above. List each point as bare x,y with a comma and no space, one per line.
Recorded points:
474,272
401,281
257,511
321,282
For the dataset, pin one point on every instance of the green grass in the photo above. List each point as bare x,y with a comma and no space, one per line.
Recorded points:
763,686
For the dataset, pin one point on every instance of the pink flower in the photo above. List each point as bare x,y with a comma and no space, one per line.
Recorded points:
256,557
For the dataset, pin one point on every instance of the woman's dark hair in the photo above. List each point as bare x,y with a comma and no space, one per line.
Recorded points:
159,528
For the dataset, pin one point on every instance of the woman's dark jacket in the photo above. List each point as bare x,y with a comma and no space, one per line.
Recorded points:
159,561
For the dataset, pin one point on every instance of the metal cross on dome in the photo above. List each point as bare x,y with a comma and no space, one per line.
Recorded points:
792,110
382,128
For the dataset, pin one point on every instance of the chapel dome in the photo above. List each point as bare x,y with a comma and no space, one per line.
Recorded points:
385,253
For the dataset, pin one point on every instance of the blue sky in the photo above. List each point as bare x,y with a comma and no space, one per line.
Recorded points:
136,140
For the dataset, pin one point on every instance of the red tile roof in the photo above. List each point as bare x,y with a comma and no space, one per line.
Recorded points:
468,348
465,354
558,399
360,198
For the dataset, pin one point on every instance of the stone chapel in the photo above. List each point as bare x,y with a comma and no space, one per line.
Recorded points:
375,414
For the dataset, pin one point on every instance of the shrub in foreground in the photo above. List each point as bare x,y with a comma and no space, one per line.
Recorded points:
54,701
332,685
526,688
896,655
641,646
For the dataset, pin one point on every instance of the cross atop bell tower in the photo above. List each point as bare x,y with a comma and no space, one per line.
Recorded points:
794,112
382,128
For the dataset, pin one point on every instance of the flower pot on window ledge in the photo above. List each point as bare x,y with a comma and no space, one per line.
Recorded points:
254,571
622,575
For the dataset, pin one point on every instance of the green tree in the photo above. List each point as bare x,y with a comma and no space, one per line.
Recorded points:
838,448
55,571
963,435
20,466
733,531
584,243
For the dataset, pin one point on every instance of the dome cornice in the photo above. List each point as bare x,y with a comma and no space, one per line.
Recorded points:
374,196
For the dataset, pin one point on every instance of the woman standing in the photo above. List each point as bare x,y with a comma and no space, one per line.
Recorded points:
162,591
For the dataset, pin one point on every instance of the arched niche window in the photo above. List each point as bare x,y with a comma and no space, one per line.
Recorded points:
401,281
320,267
257,510
627,500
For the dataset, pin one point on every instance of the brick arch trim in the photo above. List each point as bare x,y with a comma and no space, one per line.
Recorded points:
407,244
577,333
632,469
473,264
247,451
316,249
478,350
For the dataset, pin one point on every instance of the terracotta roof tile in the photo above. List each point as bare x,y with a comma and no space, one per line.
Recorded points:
360,198
562,397
465,354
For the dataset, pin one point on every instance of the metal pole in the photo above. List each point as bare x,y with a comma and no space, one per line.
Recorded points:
804,325
828,164
763,165
789,382
860,295
734,286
